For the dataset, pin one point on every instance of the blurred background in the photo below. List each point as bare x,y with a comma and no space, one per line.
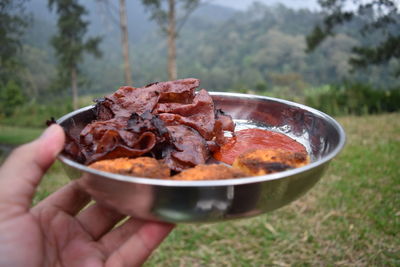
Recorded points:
341,57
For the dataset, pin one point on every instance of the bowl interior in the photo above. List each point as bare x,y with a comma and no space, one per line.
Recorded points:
216,200
322,136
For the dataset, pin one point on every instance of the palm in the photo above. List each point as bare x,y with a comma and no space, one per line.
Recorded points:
46,241
53,234
66,242
63,230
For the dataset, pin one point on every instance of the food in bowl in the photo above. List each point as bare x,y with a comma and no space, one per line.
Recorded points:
171,128
209,172
202,201
140,167
266,161
252,139
166,120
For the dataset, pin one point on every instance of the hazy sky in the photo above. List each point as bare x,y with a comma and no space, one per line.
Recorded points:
243,4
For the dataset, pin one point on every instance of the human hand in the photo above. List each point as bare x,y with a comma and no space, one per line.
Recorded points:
57,232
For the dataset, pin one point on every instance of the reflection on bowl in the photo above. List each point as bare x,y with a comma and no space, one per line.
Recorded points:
218,200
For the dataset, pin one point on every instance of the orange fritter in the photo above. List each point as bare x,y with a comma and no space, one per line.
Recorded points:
265,161
140,167
209,172
252,139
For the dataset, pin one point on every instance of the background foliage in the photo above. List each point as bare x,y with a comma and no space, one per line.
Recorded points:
261,50
351,217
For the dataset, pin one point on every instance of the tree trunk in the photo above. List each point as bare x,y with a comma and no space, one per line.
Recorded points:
172,72
125,42
74,88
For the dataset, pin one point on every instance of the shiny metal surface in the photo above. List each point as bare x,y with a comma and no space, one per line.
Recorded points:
217,200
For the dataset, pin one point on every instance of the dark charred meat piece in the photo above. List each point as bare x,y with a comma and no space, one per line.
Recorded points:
189,148
223,122
166,120
180,91
51,121
113,138
127,100
148,122
226,120
71,148
119,150
199,115
121,137
103,109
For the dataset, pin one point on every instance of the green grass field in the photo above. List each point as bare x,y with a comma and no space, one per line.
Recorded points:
350,218
11,135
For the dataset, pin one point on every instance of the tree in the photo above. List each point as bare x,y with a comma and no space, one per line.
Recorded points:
376,15
125,42
69,44
13,21
10,98
123,25
165,16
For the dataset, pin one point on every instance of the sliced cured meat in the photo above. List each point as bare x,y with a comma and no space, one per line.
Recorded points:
199,115
166,120
113,138
127,100
189,148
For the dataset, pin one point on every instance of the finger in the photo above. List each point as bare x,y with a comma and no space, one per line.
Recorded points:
69,199
24,168
113,240
97,220
135,250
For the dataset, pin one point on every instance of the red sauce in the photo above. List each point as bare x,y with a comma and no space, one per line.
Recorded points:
250,139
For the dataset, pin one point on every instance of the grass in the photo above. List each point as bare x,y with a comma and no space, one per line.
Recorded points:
12,135
350,218
35,114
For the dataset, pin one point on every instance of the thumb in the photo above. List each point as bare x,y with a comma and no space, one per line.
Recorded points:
24,168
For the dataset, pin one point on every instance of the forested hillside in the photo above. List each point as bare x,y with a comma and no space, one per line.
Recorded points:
259,49
350,218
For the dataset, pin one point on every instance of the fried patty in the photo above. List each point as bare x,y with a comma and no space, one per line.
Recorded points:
209,172
266,161
140,167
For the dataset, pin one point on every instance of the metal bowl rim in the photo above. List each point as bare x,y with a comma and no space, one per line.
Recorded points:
225,182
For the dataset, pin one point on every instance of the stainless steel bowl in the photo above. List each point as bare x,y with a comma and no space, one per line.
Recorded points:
218,200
